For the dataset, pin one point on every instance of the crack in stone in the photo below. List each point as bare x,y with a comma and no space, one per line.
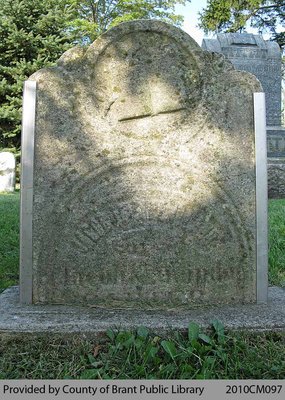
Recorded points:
150,115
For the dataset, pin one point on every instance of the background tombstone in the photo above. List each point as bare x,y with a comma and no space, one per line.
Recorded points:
262,58
7,172
144,175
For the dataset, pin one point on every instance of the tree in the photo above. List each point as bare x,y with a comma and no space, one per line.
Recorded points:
33,34
96,16
233,16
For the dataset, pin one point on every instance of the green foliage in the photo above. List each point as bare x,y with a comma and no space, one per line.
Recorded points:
33,34
169,348
277,242
233,15
193,331
96,16
42,358
9,239
142,355
216,355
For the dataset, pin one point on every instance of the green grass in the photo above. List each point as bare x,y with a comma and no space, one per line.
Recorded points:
9,239
277,242
142,355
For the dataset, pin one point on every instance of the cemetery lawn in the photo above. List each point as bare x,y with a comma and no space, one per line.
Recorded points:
277,242
9,239
141,354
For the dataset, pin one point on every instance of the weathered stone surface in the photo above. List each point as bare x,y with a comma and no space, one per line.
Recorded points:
262,58
276,142
144,183
7,172
276,179
16,318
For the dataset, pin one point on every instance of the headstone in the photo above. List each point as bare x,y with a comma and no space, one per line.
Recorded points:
144,175
262,58
7,172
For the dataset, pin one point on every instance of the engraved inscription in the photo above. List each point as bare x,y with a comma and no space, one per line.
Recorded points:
245,53
275,145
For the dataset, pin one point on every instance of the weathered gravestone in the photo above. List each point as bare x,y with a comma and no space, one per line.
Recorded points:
7,172
144,175
262,58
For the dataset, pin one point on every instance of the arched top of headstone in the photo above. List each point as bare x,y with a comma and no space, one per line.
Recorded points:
235,40
140,69
140,26
82,59
130,28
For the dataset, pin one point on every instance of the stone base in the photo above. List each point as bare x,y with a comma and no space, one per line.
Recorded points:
37,319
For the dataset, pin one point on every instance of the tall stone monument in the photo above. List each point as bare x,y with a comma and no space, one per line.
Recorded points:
144,175
262,58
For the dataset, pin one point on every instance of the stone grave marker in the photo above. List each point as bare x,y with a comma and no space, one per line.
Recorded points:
144,190
262,58
7,172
